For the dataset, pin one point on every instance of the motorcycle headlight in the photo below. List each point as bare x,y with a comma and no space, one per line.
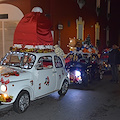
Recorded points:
77,73
3,88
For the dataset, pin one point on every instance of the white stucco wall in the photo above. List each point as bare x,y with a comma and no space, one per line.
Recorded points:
13,12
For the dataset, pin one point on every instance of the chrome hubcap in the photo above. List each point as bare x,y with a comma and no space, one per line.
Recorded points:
65,87
24,102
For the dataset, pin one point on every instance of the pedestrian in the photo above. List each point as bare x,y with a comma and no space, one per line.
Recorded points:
114,61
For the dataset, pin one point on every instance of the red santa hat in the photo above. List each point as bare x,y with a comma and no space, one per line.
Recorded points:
34,29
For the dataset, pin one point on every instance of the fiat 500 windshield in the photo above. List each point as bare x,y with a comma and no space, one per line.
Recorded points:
19,59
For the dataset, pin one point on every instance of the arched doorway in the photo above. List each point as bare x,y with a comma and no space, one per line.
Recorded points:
9,17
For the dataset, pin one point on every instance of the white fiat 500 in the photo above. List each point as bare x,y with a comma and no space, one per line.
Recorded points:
25,77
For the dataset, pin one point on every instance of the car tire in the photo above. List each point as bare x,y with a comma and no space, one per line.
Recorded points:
64,88
22,102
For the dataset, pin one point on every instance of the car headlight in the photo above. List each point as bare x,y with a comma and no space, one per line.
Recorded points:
3,88
78,75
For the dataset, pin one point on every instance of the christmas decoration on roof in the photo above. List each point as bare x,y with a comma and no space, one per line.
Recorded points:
33,32
81,46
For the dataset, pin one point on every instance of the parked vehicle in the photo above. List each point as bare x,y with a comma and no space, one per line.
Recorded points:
82,68
28,76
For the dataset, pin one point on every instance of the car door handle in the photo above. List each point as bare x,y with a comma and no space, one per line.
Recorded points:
54,71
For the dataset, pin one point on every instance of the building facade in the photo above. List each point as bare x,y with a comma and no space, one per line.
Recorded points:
70,18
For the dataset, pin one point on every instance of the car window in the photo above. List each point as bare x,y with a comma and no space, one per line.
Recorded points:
58,62
44,62
28,61
12,59
19,59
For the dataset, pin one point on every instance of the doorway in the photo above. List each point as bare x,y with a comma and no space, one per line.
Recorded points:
9,17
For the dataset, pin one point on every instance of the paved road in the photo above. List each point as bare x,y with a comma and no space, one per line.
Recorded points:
99,101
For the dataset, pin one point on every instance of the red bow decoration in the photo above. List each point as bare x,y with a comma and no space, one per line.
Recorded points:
23,46
10,74
16,73
5,82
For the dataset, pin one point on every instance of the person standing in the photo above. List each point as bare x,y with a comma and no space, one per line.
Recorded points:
114,61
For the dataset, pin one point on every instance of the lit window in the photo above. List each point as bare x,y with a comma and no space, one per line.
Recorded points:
80,28
97,34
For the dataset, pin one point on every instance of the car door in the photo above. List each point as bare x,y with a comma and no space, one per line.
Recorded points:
46,77
60,70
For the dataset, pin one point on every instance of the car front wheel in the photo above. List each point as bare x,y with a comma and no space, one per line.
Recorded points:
64,88
22,102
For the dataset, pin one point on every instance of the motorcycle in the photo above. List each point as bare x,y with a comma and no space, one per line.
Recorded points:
82,69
